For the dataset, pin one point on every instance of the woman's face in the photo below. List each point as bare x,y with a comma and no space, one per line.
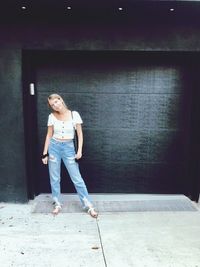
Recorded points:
56,104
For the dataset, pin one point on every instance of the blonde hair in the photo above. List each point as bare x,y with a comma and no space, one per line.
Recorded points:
57,96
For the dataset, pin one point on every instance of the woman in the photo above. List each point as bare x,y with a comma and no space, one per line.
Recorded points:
59,146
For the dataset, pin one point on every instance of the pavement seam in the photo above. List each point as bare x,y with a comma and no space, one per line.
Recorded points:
102,248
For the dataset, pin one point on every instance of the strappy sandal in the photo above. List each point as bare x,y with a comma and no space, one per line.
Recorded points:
93,213
56,210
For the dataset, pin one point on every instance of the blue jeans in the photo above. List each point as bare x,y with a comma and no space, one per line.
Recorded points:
65,151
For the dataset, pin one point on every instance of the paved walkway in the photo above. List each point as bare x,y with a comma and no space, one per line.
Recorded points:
135,239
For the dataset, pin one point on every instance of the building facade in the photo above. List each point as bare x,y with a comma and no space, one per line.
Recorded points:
133,76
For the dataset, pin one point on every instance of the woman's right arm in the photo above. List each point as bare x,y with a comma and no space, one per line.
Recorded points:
46,144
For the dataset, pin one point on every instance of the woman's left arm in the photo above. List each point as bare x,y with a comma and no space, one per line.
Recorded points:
80,140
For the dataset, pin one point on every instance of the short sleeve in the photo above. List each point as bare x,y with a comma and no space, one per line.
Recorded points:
76,118
50,120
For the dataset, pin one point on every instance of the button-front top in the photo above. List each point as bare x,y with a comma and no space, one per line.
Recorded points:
64,129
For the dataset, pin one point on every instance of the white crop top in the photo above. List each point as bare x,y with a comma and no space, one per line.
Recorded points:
64,129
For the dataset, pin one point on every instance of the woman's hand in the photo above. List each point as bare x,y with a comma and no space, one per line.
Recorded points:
45,160
78,155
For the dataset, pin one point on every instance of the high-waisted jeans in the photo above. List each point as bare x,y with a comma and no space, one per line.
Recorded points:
65,151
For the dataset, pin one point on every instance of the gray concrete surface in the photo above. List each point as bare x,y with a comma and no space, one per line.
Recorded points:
117,203
136,239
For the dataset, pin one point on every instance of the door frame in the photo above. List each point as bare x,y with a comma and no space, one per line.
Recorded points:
30,121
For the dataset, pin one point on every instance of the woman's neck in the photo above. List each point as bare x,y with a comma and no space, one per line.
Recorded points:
62,111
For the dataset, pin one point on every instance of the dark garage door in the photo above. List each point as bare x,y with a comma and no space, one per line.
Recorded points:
135,109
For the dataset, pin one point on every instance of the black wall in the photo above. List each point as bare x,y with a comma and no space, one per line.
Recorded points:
136,110
33,35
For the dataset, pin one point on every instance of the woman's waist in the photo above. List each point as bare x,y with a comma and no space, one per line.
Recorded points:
65,139
63,136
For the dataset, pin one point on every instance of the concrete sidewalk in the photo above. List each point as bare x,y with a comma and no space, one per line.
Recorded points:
136,239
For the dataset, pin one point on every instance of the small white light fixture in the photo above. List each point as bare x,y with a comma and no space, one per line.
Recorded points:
23,7
171,9
120,8
69,7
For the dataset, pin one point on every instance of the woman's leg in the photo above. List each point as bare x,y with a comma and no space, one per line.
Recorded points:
74,173
54,163
68,157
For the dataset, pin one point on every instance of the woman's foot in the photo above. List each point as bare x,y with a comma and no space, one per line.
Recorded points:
56,210
93,213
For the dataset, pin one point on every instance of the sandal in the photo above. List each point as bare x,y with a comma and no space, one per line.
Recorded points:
93,213
56,210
